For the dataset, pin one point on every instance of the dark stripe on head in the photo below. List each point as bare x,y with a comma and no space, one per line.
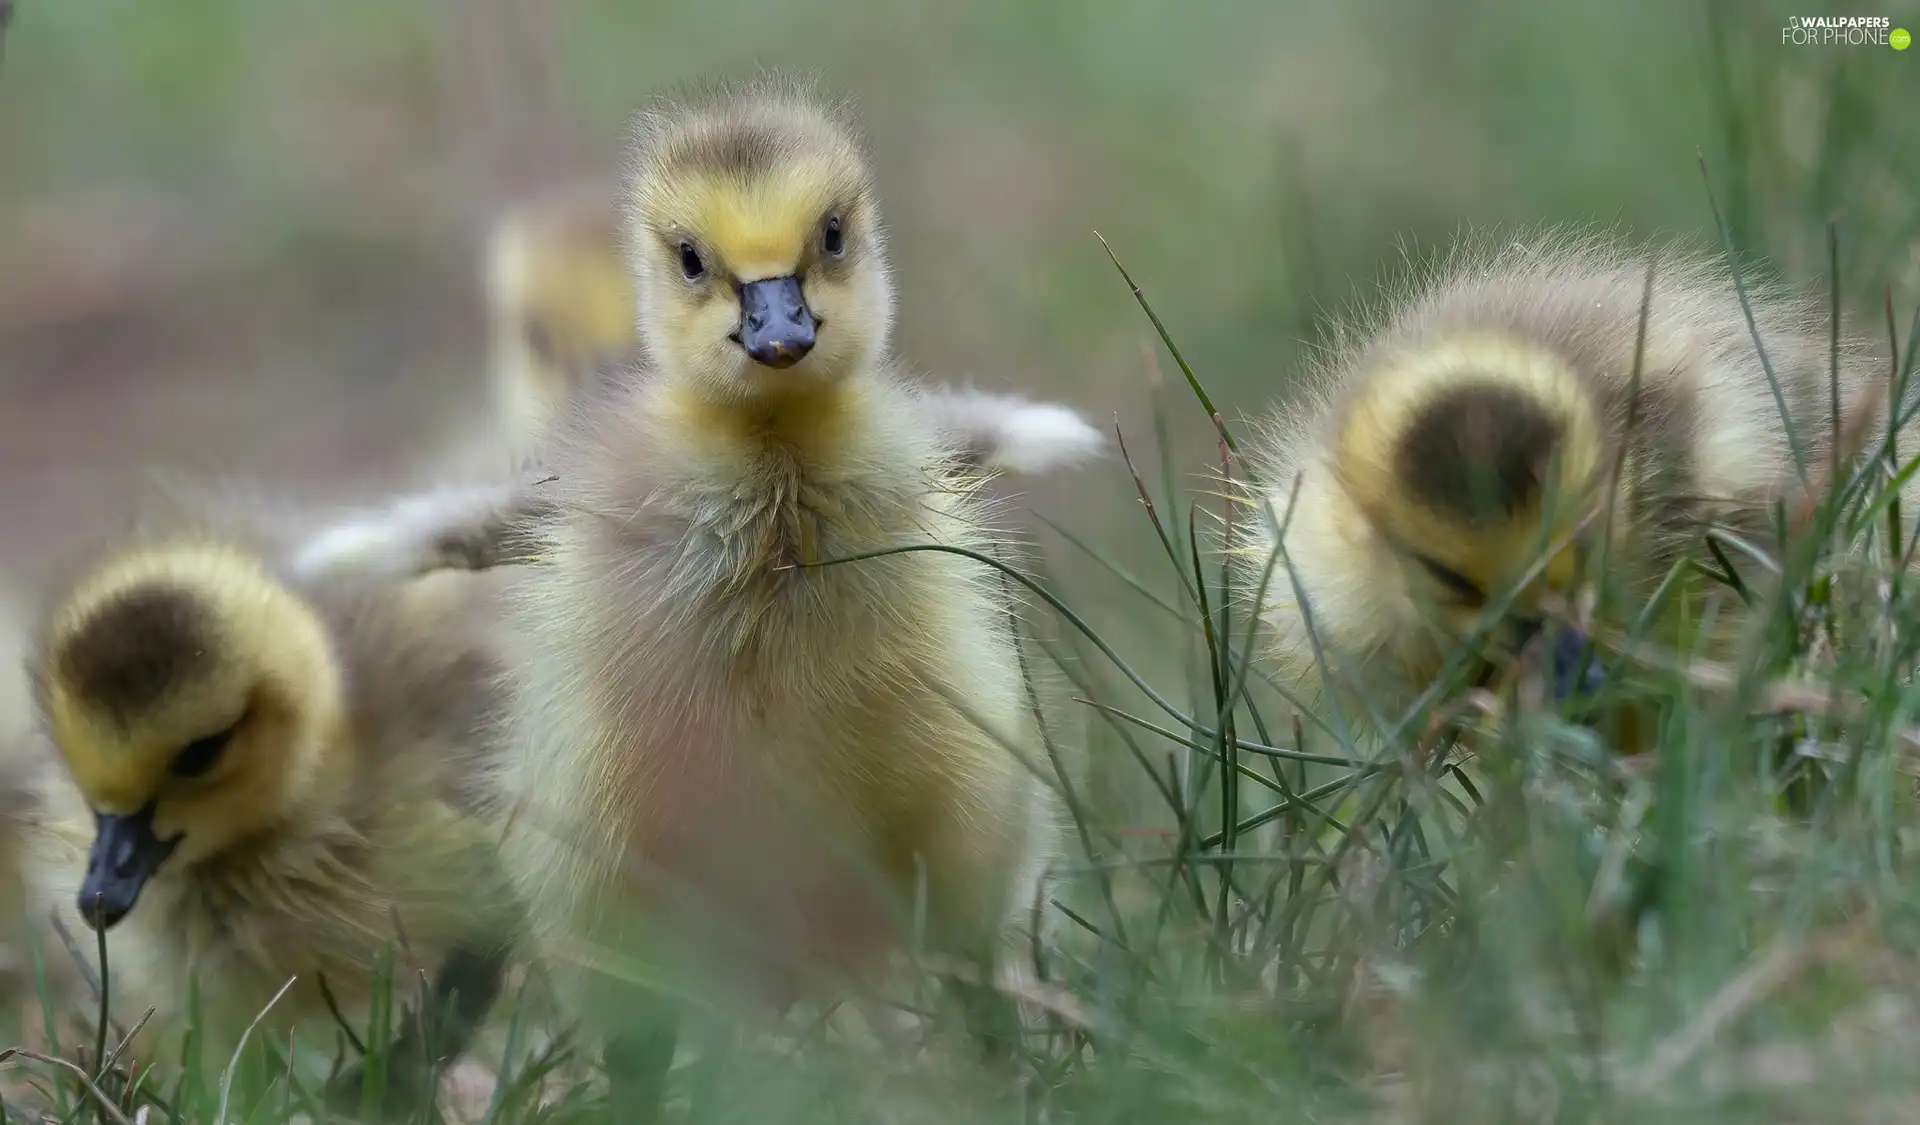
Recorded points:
744,128
1478,451
747,152
136,649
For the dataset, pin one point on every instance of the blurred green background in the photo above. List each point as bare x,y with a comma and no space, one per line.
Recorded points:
243,236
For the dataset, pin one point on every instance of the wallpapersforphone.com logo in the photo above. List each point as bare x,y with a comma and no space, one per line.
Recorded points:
1844,31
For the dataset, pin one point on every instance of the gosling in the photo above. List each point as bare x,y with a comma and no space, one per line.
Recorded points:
262,743
1461,452
721,750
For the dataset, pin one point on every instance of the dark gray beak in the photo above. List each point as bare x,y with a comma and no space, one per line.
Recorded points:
776,327
1563,650
1570,679
125,855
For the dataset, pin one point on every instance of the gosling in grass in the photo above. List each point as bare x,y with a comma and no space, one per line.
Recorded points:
561,311
261,739
721,753
1462,447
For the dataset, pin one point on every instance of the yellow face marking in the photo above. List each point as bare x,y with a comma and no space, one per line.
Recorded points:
119,769
113,775
758,230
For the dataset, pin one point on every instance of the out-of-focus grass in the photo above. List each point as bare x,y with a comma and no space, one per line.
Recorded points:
219,213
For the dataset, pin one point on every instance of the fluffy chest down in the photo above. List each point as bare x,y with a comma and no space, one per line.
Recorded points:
773,690
766,568
776,750
792,838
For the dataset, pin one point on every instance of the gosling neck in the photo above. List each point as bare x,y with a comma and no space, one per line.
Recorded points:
810,416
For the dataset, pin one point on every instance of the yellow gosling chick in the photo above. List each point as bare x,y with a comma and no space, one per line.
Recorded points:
561,308
1464,446
261,745
759,765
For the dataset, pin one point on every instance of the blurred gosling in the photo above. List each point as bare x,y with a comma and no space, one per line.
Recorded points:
559,308
1463,445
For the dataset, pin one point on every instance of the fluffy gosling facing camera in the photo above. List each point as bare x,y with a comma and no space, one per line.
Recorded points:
561,307
713,744
264,749
1464,447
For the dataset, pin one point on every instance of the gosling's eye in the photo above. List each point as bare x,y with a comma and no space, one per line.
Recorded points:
690,263
834,240
199,757
1457,584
